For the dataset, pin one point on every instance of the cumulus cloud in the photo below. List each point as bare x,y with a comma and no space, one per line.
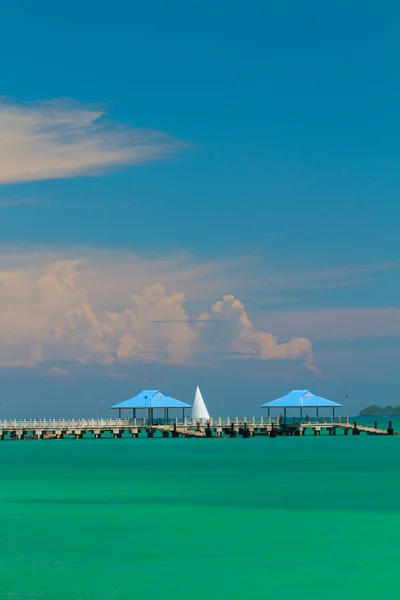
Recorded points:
57,311
138,334
232,332
49,140
45,316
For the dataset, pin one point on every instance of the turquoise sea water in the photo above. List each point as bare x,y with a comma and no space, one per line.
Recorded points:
310,517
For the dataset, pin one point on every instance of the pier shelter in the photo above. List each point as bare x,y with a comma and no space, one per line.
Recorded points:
300,399
151,400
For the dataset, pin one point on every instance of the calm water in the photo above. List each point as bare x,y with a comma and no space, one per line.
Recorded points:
195,519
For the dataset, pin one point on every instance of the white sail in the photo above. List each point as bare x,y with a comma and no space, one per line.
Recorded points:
199,409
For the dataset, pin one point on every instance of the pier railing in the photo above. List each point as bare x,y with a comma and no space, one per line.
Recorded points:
101,423
109,423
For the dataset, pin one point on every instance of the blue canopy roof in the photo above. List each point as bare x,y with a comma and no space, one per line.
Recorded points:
151,399
300,398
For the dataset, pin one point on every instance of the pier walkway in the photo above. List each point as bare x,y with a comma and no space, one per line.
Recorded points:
246,427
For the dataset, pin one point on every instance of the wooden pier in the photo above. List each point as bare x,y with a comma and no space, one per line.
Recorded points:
24,429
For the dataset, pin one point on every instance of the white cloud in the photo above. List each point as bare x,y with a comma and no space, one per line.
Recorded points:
138,335
119,376
58,372
14,202
336,323
63,308
49,140
231,331
44,316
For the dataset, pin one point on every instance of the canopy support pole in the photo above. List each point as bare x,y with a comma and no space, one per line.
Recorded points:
284,415
301,414
317,414
119,413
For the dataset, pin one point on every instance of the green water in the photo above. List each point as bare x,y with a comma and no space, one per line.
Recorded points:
311,517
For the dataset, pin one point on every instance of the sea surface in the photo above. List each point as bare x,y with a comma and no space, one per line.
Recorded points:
293,517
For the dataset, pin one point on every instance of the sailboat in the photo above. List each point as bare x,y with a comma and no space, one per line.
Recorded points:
199,408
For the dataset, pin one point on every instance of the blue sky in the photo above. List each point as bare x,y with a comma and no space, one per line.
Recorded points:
215,149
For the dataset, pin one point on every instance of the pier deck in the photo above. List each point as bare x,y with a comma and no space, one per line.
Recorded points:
246,427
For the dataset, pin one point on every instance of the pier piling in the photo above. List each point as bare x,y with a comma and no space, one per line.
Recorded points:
246,431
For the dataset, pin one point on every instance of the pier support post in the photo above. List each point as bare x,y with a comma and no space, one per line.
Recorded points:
165,434
346,431
175,433
150,433
390,428
246,432
375,424
232,432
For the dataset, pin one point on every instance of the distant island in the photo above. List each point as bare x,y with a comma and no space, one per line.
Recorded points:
380,411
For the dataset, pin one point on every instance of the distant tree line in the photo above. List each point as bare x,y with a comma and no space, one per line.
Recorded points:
380,411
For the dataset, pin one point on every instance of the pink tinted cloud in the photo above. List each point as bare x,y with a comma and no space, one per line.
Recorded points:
48,311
